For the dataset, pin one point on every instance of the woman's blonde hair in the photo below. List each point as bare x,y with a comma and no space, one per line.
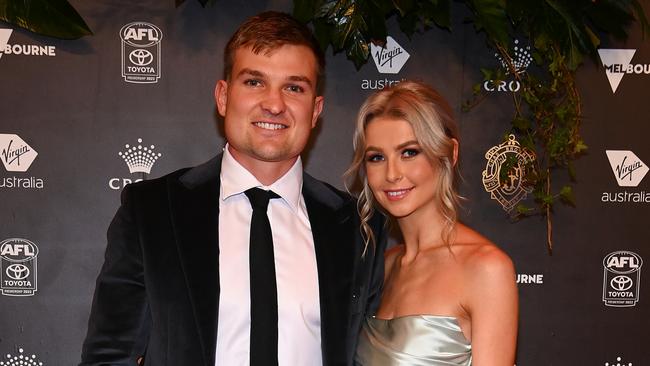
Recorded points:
435,129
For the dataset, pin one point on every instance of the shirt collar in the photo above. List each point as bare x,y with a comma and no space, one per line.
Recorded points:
235,179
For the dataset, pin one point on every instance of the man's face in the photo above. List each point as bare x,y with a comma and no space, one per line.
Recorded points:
269,105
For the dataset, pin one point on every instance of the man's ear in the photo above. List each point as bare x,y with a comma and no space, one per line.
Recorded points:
221,96
318,108
455,155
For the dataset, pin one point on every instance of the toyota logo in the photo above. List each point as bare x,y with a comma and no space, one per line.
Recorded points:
621,283
140,57
17,271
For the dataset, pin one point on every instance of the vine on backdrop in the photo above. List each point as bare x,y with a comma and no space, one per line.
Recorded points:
547,107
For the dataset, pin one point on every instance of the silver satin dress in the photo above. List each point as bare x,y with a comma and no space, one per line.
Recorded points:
425,340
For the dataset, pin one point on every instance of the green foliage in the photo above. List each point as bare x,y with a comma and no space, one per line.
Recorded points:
547,107
53,18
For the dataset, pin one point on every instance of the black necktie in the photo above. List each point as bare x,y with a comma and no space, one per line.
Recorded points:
264,293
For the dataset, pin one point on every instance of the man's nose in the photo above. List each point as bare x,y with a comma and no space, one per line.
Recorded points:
274,102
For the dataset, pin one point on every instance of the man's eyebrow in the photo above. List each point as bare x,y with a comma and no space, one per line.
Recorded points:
300,78
250,72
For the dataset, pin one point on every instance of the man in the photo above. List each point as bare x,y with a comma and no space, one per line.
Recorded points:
175,287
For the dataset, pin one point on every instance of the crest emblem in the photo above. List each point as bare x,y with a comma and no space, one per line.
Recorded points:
509,191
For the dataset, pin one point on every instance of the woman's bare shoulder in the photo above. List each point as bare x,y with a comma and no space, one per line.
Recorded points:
480,255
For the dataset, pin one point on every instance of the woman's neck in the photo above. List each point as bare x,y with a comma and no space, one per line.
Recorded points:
421,230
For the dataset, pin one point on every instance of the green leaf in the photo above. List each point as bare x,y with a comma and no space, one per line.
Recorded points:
577,40
490,16
580,147
566,196
612,16
408,23
572,171
521,124
404,7
53,18
304,10
439,12
323,32
358,50
523,209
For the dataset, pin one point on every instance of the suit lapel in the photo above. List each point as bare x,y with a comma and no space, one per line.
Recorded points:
194,200
333,230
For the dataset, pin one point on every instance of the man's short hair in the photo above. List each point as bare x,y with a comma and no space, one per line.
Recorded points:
268,31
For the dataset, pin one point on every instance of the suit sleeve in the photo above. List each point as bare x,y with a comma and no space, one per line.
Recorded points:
119,320
376,282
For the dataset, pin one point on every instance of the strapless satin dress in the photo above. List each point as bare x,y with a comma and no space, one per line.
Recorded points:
414,340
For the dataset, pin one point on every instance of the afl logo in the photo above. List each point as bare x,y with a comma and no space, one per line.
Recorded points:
141,44
141,34
621,278
17,250
18,267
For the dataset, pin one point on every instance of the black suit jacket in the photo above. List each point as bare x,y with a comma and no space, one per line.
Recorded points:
158,290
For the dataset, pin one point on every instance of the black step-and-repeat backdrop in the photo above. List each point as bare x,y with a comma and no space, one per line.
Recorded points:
81,119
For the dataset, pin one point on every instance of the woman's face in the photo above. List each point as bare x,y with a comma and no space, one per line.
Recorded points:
400,175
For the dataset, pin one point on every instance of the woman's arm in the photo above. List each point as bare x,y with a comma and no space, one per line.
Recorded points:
493,307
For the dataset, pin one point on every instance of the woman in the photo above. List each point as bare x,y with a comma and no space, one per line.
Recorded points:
449,295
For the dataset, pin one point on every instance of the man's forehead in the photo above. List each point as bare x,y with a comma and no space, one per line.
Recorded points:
273,60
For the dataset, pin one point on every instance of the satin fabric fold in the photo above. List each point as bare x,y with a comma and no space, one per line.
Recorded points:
415,340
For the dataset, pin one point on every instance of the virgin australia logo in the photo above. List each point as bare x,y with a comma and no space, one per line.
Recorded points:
390,58
16,154
628,169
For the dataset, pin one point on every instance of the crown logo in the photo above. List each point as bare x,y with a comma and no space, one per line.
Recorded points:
618,363
21,360
139,159
520,61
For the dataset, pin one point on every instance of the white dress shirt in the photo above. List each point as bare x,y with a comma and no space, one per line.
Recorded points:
299,341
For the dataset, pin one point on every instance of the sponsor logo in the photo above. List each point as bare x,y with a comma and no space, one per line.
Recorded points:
7,48
512,190
139,159
17,156
520,62
388,59
621,278
617,64
629,170
141,52
18,267
21,359
530,278
619,362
